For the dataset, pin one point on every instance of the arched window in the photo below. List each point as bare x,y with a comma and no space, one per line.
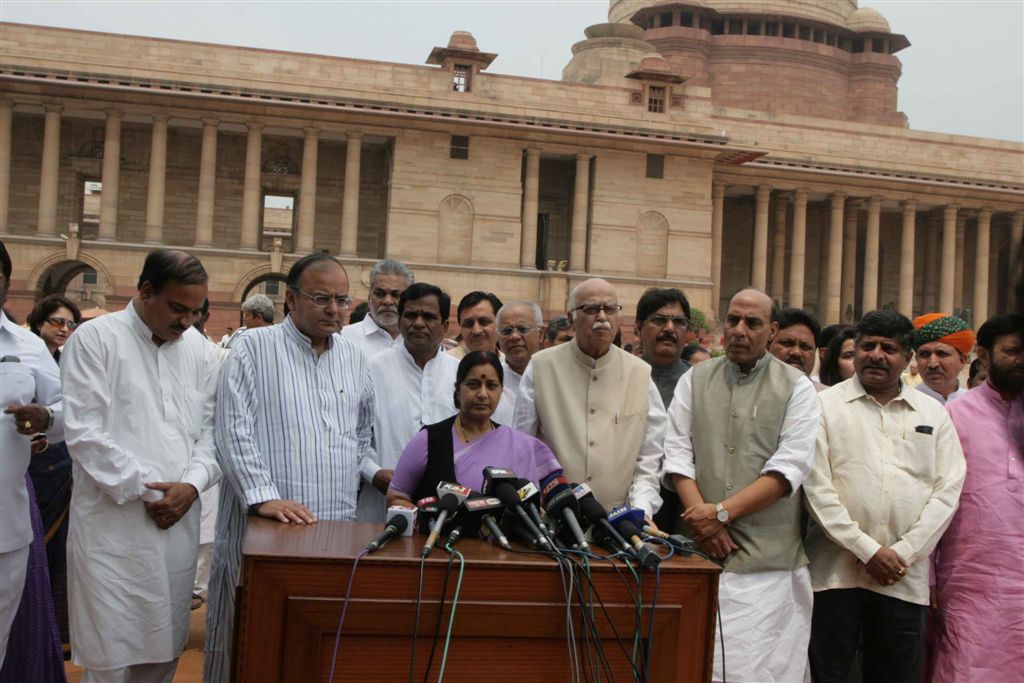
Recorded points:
455,230
652,246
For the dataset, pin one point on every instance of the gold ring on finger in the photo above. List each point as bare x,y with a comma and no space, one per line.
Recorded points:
28,424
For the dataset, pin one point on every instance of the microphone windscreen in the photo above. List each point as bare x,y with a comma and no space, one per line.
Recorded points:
400,523
450,503
591,509
506,493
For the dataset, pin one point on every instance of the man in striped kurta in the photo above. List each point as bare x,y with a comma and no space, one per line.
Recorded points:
294,417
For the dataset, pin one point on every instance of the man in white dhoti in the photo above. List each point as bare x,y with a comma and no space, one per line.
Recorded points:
740,443
294,414
138,396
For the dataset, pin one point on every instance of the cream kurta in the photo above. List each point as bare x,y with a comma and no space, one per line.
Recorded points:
135,413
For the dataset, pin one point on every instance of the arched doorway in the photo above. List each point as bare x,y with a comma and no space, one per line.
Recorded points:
273,286
76,280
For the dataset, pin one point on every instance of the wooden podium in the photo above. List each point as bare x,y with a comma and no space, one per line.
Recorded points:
510,623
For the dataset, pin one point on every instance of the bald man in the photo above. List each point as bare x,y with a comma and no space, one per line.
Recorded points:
596,406
739,444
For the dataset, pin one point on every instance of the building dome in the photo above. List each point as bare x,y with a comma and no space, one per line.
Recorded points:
828,11
866,19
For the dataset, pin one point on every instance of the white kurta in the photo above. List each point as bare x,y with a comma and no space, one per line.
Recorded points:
135,413
370,337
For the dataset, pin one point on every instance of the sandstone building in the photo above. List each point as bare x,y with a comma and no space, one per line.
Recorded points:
704,144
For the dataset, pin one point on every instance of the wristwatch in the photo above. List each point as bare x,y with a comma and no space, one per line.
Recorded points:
721,514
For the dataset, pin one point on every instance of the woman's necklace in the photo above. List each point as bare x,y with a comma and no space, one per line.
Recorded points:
462,430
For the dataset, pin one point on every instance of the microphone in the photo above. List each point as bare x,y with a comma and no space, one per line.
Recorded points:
513,526
499,482
479,509
400,523
625,520
595,513
560,499
451,497
531,498
428,509
681,544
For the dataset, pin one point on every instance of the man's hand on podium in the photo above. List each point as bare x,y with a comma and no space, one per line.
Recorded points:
285,511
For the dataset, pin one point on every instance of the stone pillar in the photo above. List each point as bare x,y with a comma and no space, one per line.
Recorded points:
979,311
6,116
531,203
49,172
207,184
111,175
947,278
157,181
932,263
798,251
252,188
779,251
907,252
580,196
759,260
350,196
717,213
848,298
871,245
307,192
959,298
835,260
1016,234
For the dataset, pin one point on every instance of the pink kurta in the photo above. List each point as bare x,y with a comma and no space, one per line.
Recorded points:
980,568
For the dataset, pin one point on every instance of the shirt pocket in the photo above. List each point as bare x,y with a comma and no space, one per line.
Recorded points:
194,413
916,459
762,440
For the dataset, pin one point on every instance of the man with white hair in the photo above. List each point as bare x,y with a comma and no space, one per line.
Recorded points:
379,329
519,324
257,311
596,406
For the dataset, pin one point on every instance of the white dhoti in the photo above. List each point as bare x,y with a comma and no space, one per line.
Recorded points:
766,623
162,672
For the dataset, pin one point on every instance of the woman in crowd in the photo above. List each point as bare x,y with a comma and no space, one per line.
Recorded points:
459,448
53,320
838,365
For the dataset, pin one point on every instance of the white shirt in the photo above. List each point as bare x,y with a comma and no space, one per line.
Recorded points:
135,413
928,391
406,399
504,414
33,377
883,476
370,337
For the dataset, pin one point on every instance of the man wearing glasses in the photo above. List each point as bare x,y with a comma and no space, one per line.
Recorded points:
294,418
519,325
379,329
596,406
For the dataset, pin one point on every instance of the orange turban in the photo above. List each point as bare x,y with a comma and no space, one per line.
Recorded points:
943,328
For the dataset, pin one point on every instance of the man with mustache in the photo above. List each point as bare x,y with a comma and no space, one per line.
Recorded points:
943,344
415,381
478,319
797,339
139,389
595,405
740,443
979,585
379,329
519,326
888,471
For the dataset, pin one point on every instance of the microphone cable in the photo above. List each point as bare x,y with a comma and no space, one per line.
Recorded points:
455,603
654,599
344,611
440,614
416,623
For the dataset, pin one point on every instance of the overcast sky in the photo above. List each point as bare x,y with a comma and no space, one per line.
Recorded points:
964,71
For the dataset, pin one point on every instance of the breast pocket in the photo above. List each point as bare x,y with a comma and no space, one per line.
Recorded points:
917,459
194,412
762,440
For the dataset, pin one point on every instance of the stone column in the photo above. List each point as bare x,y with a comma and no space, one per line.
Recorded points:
759,259
111,175
959,298
848,298
6,116
350,196
717,212
157,181
798,251
251,188
835,260
871,245
907,253
979,312
207,184
779,251
49,172
932,263
531,203
307,192
947,279
1016,234
580,196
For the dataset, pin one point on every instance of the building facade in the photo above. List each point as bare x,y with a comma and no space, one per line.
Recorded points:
705,145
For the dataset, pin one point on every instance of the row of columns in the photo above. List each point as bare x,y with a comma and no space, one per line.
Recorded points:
531,205
252,193
840,277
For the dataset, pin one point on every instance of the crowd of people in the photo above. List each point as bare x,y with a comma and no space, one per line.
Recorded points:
865,517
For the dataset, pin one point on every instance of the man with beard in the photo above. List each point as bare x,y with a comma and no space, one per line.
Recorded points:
415,382
379,329
979,585
519,325
740,442
887,474
595,405
796,340
943,343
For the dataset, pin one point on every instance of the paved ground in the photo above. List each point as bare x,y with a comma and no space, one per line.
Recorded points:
190,666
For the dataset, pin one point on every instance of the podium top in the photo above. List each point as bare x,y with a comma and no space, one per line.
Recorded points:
343,541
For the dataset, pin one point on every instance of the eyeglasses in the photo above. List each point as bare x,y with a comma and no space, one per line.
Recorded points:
522,331
62,322
662,320
595,309
324,300
380,293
